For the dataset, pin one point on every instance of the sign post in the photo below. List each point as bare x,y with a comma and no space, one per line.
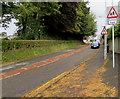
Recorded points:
105,48
105,33
112,15
113,42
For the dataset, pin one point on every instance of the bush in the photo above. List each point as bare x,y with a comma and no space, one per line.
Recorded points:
17,44
91,40
116,31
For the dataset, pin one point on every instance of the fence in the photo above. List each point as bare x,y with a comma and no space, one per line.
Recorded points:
117,45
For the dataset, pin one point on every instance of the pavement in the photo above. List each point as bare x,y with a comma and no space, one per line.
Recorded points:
94,77
112,75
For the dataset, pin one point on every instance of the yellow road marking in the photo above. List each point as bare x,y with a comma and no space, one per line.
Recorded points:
54,80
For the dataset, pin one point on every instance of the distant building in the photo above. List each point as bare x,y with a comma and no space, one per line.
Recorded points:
3,35
11,37
92,38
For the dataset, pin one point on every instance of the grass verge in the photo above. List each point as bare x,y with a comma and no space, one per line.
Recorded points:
27,53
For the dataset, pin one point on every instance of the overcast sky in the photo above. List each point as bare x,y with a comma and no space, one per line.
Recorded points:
97,8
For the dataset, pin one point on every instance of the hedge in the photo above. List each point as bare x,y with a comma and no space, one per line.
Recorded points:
17,44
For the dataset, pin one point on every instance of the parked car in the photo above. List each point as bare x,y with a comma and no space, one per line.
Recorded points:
95,44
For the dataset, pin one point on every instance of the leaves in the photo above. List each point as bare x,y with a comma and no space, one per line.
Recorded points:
60,20
117,31
81,83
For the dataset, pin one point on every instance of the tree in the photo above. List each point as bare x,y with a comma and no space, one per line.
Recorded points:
3,33
72,22
29,15
61,20
61,25
116,31
88,25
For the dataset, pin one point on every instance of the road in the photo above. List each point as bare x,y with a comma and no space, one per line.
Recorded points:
19,84
95,77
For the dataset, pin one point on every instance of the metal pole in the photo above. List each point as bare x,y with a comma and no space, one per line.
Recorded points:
105,38
105,47
113,45
112,3
113,39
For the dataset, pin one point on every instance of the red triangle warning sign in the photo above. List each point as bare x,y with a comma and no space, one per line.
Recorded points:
104,31
112,13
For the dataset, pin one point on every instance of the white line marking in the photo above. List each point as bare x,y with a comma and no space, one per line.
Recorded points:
11,75
69,50
24,68
18,64
1,69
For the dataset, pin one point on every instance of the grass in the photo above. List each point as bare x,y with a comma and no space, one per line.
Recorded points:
27,53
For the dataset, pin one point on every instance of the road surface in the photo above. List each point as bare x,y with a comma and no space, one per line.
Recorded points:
19,84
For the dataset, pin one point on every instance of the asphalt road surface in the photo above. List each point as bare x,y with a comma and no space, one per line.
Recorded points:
17,85
17,65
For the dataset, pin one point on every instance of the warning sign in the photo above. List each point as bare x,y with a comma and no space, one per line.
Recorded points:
112,13
104,31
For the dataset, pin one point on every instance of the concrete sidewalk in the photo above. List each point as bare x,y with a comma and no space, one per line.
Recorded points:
112,75
89,79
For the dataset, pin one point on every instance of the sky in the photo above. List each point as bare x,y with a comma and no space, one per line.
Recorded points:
97,8
12,28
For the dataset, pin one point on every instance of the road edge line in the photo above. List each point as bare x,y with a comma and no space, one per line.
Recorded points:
8,63
38,64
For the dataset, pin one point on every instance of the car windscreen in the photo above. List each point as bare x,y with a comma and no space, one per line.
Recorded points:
95,44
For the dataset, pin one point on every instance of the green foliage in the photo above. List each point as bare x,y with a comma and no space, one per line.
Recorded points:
88,25
18,44
57,20
116,31
4,38
30,16
32,52
24,49
3,33
62,25
74,22
91,40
